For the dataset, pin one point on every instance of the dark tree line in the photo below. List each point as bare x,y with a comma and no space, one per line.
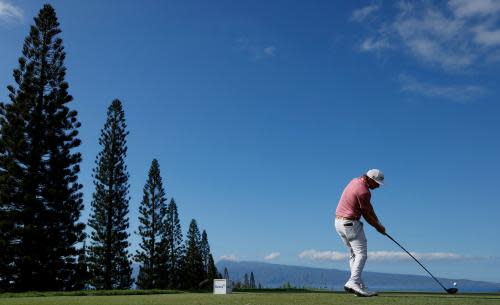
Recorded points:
247,283
42,240
165,262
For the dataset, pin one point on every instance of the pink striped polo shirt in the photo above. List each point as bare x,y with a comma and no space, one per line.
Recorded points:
354,200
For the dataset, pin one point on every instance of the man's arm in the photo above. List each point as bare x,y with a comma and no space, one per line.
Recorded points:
369,213
372,219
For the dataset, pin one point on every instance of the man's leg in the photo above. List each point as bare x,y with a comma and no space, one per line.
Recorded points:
358,245
342,232
351,257
353,235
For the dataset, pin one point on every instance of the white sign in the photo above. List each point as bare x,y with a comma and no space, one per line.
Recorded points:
222,286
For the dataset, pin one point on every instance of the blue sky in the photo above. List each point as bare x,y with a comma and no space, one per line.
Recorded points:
260,113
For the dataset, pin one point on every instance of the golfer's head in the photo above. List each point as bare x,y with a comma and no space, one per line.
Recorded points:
374,178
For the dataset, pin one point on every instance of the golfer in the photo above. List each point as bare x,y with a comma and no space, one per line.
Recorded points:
354,203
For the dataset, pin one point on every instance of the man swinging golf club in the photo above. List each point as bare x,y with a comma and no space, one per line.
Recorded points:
354,203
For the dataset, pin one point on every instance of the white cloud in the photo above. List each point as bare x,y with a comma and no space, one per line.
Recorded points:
323,255
486,37
255,50
453,35
231,257
455,93
405,7
385,256
272,256
360,14
471,8
371,44
270,51
434,38
402,256
9,12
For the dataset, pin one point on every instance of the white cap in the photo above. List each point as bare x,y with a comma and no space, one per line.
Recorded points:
376,175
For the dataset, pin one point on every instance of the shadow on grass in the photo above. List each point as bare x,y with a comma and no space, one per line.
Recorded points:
285,290
478,296
86,293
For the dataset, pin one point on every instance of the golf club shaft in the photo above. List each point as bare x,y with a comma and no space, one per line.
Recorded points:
417,261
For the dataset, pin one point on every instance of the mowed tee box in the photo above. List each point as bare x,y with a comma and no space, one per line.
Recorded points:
222,286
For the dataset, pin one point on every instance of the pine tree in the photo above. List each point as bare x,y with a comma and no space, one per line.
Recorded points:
109,260
246,283
204,250
173,249
83,271
212,272
193,263
40,198
152,213
13,169
252,281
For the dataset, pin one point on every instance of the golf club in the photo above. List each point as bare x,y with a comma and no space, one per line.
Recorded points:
448,290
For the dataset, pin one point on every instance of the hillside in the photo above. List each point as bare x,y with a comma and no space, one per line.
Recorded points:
275,275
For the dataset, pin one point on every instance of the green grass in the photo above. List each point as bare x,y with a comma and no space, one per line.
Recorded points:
84,293
302,297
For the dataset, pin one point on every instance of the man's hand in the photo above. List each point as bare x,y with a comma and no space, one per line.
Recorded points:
381,229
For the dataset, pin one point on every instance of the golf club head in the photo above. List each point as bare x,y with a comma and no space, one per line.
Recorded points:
452,290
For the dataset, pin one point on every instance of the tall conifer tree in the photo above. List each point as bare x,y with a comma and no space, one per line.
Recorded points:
174,248
204,250
212,272
194,273
40,198
252,280
151,216
109,260
246,283
83,270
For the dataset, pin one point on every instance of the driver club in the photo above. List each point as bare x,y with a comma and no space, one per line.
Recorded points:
448,290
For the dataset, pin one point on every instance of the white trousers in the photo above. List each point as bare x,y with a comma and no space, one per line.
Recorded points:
353,235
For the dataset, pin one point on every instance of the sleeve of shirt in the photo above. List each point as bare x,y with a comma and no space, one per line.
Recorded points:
364,201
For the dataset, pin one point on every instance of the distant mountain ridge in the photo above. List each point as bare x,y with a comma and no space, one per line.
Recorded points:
275,275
